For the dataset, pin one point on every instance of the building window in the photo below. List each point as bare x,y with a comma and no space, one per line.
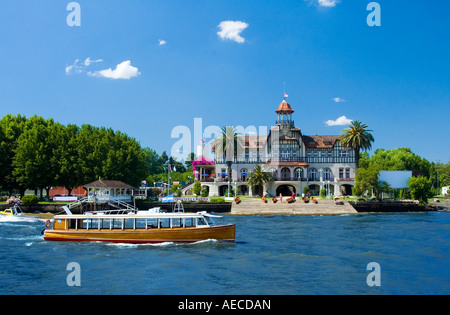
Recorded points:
327,174
244,174
298,173
312,174
341,173
347,173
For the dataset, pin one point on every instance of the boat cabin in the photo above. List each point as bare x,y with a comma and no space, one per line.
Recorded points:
132,222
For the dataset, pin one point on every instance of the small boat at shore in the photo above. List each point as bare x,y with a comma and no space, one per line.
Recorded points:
14,211
338,201
137,227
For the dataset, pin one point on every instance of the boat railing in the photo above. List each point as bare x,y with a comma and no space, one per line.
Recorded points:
111,212
119,203
77,203
178,207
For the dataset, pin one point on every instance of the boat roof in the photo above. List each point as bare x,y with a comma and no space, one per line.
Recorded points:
136,215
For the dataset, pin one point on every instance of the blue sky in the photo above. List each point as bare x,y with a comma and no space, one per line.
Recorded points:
154,65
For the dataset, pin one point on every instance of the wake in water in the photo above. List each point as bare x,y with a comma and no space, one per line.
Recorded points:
164,244
14,218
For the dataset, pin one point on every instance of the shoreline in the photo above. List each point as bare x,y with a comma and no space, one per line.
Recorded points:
298,208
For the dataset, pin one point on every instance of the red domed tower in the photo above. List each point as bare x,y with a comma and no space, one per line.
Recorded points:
284,112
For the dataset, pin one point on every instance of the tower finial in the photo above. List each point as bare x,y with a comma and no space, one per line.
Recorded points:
284,91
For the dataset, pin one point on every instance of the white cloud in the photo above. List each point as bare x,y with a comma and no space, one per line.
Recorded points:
123,70
80,67
162,42
88,61
75,67
232,30
338,100
341,121
328,3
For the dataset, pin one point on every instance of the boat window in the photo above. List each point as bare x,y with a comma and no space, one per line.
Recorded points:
72,224
201,221
209,220
177,222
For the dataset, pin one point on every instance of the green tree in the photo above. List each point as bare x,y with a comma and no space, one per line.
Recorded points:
11,127
188,162
34,162
197,188
69,173
357,137
124,160
259,177
400,159
90,153
442,172
366,179
228,146
153,161
420,188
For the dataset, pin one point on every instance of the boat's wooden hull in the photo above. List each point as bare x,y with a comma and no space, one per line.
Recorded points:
225,233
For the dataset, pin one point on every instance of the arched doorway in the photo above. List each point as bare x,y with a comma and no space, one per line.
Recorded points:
286,190
205,187
242,190
314,190
222,190
285,174
346,190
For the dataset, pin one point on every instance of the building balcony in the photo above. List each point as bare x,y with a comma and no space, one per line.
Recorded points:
305,159
346,179
289,179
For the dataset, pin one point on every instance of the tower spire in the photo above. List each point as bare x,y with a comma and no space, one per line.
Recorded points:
284,91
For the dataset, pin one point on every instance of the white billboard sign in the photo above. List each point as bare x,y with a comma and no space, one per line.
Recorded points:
396,179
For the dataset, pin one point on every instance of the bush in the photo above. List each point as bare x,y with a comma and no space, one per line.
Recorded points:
217,199
420,188
30,200
306,190
323,193
205,193
196,190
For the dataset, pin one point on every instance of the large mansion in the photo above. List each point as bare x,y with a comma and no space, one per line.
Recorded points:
296,161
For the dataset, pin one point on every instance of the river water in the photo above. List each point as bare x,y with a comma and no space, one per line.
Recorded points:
277,255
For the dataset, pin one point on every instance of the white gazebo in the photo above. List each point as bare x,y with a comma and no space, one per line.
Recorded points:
102,191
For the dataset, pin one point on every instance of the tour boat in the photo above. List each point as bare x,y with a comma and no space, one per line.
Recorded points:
137,227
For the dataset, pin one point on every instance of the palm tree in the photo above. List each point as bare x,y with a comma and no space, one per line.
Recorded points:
259,177
228,145
357,137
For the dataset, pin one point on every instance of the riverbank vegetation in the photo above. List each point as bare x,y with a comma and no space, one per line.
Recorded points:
428,177
38,153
